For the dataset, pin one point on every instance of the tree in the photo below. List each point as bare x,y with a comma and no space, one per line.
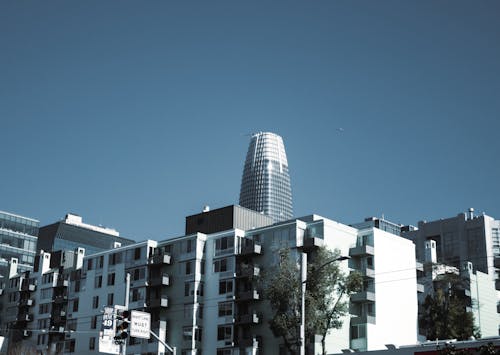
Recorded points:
327,289
283,290
445,314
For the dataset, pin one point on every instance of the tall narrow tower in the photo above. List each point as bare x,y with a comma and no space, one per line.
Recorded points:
265,185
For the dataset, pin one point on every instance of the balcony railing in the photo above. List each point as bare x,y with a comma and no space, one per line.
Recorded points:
247,270
60,298
28,287
249,247
59,282
26,302
252,295
160,280
252,342
251,318
362,250
162,259
311,243
161,302
364,296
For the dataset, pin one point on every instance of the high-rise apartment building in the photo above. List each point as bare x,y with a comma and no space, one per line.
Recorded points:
265,184
71,233
465,245
18,238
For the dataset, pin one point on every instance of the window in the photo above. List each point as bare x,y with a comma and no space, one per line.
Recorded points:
95,302
44,308
224,332
43,323
93,322
225,286
77,285
137,253
110,299
224,243
189,246
46,293
220,265
111,279
98,281
224,351
42,339
75,305
138,274
189,268
89,264
187,333
225,309
70,346
358,331
115,258
100,262
92,343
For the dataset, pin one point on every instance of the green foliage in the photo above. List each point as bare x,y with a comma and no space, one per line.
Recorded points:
445,315
283,290
326,296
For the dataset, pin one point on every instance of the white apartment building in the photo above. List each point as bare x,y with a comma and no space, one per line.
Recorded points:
204,291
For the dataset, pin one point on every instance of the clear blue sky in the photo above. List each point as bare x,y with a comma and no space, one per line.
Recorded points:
134,114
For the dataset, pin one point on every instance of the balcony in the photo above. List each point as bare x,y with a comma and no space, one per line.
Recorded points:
60,299
158,302
362,250
57,329
420,288
252,342
250,318
28,287
26,302
251,295
158,260
365,296
60,283
25,317
311,243
363,319
58,320
249,247
368,272
160,280
247,270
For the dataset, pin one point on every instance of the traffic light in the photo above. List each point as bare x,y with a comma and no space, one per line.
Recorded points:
121,329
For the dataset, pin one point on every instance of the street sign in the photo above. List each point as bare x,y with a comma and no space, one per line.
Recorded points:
140,324
106,341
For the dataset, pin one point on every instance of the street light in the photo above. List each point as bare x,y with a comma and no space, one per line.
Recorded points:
304,280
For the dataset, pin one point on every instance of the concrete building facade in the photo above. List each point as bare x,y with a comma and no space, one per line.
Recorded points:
205,292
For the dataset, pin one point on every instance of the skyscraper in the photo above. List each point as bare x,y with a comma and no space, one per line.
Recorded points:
265,185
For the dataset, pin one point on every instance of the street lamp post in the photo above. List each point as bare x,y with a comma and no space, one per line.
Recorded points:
303,279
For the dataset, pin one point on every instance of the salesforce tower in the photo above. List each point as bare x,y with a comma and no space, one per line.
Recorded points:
265,184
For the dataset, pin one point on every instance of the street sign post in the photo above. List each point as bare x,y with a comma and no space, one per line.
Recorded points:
140,324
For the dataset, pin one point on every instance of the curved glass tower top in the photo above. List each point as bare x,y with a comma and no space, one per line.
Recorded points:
265,185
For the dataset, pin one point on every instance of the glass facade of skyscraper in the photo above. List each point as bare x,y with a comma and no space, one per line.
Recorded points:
265,185
18,237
